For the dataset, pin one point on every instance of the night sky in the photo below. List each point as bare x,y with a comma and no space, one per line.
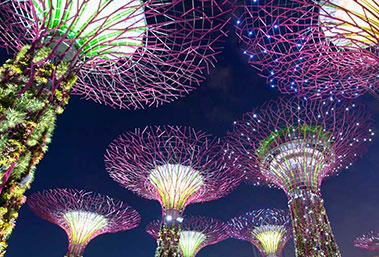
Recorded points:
84,130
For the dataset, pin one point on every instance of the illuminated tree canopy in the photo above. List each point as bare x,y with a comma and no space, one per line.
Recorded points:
173,165
291,142
318,49
369,241
83,215
269,230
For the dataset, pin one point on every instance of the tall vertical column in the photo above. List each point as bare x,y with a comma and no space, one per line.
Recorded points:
168,240
313,235
28,108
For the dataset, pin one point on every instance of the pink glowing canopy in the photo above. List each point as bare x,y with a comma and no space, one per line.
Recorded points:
173,165
294,142
126,53
318,49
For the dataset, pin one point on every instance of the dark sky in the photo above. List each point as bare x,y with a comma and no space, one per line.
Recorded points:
85,129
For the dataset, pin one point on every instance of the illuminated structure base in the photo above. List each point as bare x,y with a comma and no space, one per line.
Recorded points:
27,116
75,250
168,240
313,235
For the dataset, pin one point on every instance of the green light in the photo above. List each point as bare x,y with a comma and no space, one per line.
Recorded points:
107,29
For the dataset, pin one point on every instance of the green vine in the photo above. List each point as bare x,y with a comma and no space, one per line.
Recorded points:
28,110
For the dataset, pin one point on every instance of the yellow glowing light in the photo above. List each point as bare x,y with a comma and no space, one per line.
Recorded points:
83,225
175,184
190,241
347,23
269,237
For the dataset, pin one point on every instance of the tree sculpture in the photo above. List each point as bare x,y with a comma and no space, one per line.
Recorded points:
123,53
83,215
175,166
197,232
268,230
294,145
326,48
369,241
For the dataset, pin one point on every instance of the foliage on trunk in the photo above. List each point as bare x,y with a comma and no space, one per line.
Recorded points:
33,90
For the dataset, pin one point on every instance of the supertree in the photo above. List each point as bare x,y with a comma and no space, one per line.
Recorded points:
196,233
369,241
295,144
318,49
175,166
83,215
269,230
123,53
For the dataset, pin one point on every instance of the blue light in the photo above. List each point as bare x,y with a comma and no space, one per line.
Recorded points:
238,22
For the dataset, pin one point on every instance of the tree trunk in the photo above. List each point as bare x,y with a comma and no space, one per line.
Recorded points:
313,235
32,91
168,240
